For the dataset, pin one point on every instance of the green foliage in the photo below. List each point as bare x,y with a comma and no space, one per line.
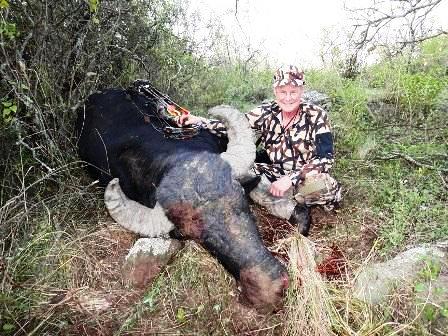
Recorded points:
431,270
434,56
230,84
352,103
324,80
9,109
180,315
93,5
429,298
8,30
4,4
409,201
412,81
417,94
409,205
32,262
49,75
8,328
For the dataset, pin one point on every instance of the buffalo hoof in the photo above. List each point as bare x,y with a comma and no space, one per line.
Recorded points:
146,260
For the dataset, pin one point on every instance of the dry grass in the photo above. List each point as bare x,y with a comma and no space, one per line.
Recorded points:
196,296
65,277
308,310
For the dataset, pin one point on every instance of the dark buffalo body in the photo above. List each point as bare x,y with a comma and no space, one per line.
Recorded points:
121,136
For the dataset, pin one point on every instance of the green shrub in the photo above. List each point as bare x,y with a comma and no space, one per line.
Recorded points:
433,57
324,80
230,84
410,202
417,94
412,81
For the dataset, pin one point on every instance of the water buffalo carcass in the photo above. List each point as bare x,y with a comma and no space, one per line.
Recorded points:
192,182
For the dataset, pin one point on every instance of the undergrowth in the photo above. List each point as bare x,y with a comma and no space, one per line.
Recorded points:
60,253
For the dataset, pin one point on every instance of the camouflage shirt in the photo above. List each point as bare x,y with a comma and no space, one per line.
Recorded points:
307,141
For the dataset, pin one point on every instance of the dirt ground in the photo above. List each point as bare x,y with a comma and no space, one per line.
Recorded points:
95,304
340,236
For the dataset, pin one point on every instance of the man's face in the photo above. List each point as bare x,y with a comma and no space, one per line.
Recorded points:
288,97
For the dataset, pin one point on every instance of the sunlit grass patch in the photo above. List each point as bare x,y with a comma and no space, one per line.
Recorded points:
308,308
410,203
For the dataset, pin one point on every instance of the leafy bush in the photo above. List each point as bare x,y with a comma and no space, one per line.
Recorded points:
324,80
433,56
417,94
412,81
410,206
230,84
55,54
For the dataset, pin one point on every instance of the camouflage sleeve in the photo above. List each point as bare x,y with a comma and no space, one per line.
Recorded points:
216,127
256,118
295,177
323,157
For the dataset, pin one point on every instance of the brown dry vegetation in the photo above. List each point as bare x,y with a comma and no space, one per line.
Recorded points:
192,296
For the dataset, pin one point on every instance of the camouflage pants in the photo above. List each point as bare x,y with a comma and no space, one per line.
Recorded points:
317,188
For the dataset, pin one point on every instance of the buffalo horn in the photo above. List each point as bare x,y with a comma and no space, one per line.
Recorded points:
241,148
134,216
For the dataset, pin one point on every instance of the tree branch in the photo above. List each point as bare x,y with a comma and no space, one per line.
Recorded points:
411,160
372,20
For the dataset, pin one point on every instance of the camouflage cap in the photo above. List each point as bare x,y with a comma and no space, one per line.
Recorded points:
289,74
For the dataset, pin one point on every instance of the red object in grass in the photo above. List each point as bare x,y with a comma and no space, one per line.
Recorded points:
334,266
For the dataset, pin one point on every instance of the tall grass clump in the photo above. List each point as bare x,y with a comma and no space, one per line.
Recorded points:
418,93
308,307
315,306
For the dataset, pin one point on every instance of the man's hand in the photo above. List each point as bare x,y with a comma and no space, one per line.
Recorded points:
279,187
189,119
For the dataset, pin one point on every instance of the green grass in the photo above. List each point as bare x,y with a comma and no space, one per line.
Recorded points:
57,240
406,204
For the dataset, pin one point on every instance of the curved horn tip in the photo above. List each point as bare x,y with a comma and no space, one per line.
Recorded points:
113,183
